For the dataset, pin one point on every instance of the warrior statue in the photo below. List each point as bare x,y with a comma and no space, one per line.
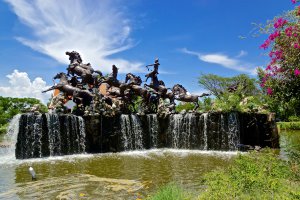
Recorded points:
154,72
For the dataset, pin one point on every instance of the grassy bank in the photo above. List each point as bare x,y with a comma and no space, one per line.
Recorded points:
288,125
256,175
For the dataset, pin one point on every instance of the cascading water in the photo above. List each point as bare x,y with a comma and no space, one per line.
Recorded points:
205,123
8,153
54,134
233,131
153,127
50,135
137,131
175,129
42,135
29,143
183,131
126,132
132,132
82,135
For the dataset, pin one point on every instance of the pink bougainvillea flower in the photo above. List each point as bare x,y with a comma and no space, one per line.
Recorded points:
296,46
274,35
280,23
289,31
294,1
266,44
269,91
268,67
297,72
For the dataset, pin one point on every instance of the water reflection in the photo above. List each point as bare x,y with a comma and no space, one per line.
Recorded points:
289,143
112,176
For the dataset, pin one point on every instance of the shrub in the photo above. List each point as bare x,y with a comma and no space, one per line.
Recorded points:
170,192
253,176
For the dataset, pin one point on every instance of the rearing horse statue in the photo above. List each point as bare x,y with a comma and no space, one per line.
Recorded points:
83,96
181,95
85,71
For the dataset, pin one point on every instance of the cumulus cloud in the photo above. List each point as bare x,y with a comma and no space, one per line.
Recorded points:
20,85
224,60
96,29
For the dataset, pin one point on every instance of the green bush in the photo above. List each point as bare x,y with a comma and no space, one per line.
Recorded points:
9,107
253,176
294,118
289,125
170,192
185,106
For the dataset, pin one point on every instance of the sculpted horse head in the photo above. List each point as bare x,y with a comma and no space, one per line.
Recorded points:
179,89
74,56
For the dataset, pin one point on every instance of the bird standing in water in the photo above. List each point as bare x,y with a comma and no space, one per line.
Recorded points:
32,172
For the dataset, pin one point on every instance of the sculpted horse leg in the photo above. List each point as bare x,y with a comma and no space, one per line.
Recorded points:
51,88
196,105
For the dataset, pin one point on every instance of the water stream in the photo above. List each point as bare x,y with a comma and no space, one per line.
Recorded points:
131,174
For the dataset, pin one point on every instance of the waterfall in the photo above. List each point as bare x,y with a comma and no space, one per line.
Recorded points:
132,132
183,130
205,121
126,132
233,131
191,131
50,135
175,130
153,127
54,134
11,138
82,135
29,142
137,131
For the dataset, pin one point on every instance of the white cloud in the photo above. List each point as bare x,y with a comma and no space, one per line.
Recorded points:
20,85
223,60
242,53
96,29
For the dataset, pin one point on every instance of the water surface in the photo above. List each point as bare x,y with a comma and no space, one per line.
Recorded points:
126,175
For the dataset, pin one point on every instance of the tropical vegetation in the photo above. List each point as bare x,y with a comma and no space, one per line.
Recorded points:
9,107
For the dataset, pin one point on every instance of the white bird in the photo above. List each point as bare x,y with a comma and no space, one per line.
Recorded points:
32,172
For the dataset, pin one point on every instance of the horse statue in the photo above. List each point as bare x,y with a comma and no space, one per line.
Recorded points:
133,79
155,84
79,95
84,71
181,95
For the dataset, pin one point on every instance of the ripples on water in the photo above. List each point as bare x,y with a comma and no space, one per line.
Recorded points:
125,175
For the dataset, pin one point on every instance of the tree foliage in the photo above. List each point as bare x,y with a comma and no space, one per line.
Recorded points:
219,85
9,107
281,77
240,93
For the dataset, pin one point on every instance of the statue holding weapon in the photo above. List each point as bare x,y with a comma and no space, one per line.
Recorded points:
155,69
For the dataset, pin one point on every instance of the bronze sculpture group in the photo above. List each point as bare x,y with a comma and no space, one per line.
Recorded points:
94,93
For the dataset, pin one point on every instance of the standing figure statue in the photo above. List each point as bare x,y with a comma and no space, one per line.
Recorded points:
112,77
155,70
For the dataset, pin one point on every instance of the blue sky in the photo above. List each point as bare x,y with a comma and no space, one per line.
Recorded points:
189,38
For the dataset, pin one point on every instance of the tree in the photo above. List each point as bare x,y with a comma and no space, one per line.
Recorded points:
239,93
218,85
281,78
9,107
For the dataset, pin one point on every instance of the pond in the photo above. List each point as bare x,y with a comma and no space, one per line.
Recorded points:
126,175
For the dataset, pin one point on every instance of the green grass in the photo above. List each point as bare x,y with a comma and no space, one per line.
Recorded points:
170,192
255,175
289,125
